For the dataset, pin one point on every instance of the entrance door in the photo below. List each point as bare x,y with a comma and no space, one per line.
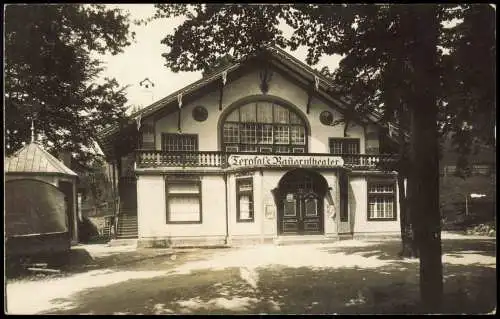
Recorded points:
300,203
302,213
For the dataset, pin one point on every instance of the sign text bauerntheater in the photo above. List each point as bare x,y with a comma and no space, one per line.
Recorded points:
285,160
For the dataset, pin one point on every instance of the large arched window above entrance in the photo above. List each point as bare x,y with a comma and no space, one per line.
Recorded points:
264,127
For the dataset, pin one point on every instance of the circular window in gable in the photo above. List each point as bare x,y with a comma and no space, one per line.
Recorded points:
200,113
326,118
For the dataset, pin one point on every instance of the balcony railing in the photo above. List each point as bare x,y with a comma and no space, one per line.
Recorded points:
217,159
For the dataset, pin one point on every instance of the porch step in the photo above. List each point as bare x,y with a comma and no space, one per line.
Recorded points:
127,225
131,212
126,234
304,239
124,237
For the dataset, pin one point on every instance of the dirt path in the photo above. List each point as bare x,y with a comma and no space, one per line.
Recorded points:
312,278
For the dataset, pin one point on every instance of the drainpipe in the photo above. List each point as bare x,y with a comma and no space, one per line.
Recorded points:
339,202
262,207
227,211
114,179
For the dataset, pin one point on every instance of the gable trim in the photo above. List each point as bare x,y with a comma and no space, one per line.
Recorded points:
281,60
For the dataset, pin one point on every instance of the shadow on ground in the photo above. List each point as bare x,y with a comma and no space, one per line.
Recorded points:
389,289
74,261
389,249
79,260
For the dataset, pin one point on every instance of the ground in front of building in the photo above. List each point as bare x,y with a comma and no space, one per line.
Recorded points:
351,276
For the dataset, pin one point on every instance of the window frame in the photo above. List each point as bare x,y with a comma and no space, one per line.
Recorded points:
271,140
147,133
349,158
168,196
164,137
394,195
240,181
344,141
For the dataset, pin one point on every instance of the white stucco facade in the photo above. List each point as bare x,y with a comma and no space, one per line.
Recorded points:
248,85
218,196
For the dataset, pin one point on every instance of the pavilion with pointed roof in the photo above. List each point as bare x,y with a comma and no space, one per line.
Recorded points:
32,162
33,159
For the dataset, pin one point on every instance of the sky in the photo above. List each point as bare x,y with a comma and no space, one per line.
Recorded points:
142,59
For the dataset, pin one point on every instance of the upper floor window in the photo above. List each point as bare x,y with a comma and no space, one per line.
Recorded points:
179,142
345,146
148,136
264,127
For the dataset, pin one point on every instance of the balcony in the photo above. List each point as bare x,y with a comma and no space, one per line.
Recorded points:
217,159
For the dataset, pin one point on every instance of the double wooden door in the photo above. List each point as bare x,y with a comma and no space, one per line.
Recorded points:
301,213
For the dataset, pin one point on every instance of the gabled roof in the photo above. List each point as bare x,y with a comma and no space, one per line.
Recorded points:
32,158
326,88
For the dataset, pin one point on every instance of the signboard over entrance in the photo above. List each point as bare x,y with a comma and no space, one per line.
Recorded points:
285,161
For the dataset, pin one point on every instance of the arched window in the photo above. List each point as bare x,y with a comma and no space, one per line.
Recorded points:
264,127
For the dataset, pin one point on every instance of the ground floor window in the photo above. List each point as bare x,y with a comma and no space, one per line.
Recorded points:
183,201
381,200
244,200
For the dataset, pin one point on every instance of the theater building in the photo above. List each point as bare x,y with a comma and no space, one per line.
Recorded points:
252,153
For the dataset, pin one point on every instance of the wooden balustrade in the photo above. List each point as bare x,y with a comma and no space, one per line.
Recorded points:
153,158
180,159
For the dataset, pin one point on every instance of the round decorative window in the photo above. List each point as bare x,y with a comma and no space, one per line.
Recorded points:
200,113
326,118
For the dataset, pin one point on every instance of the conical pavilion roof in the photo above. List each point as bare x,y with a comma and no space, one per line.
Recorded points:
32,158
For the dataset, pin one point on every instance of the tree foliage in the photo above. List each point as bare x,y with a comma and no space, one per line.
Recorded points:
402,61
469,81
375,40
94,184
212,31
219,64
50,73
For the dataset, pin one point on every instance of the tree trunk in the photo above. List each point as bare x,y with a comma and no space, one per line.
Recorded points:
424,173
408,248
425,215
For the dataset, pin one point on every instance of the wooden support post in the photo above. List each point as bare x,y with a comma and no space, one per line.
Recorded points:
179,101
309,99
221,96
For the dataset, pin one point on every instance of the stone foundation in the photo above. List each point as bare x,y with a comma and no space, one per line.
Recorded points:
246,240
376,236
212,241
242,240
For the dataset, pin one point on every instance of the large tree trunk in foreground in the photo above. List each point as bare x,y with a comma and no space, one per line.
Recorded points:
425,215
424,173
408,248
408,244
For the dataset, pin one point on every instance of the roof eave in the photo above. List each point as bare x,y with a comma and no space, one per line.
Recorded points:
324,86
